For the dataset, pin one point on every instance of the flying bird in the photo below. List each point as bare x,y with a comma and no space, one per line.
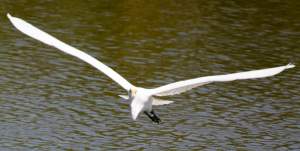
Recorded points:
142,99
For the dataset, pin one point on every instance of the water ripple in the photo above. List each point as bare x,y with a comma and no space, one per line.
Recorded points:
52,101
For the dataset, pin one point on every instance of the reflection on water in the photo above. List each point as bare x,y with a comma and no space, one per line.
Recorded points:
52,101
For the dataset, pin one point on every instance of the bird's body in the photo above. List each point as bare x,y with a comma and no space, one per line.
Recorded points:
141,99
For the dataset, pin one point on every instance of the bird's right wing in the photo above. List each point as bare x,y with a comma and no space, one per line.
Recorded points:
46,38
182,86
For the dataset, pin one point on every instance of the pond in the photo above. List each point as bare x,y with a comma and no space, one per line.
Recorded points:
52,101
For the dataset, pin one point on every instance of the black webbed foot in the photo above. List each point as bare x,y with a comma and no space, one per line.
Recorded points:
153,116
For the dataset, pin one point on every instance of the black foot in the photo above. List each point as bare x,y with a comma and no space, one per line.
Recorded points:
153,117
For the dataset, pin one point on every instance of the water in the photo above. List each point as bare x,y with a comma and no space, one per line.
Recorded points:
52,101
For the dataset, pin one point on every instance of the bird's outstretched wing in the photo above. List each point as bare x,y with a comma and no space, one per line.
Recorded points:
46,38
182,86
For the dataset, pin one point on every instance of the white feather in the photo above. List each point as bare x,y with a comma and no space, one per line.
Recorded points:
155,101
124,97
46,38
182,86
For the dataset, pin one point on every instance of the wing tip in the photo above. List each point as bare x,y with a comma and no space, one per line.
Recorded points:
8,16
290,65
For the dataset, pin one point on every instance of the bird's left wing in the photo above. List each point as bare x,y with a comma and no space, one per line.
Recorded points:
182,86
46,38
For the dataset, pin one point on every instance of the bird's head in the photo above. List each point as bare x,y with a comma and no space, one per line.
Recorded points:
132,92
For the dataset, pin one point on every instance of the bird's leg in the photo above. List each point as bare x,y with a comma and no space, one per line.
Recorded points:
150,116
153,116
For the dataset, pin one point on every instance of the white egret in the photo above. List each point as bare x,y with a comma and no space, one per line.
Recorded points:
141,99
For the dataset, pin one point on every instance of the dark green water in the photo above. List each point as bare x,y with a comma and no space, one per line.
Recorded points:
53,101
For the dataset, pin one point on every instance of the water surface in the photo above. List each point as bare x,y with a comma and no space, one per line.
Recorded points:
53,101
